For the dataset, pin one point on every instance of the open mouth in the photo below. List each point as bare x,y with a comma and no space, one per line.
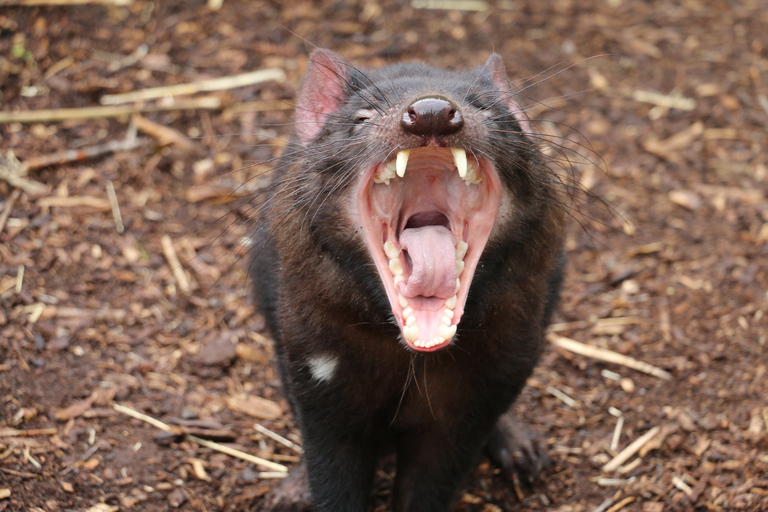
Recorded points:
426,217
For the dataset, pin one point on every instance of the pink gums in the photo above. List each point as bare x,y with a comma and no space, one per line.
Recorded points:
425,214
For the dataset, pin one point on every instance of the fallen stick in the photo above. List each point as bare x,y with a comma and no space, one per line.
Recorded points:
173,260
98,203
64,114
629,451
277,437
164,134
8,207
676,101
607,355
259,106
453,5
64,2
13,171
74,155
620,505
273,466
12,432
214,84
112,196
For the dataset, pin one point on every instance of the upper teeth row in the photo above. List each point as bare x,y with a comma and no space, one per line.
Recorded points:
397,167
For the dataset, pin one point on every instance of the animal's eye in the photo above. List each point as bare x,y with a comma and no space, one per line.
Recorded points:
363,115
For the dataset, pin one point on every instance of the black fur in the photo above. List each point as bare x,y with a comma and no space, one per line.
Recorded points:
321,293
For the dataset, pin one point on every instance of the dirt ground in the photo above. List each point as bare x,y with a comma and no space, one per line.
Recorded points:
661,108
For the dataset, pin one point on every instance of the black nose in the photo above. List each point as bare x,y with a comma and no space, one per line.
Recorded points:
432,115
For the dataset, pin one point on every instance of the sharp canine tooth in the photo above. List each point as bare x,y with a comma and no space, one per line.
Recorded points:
447,332
390,249
460,159
451,303
396,266
411,333
402,161
461,250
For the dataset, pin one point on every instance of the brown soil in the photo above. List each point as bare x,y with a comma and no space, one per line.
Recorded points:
673,275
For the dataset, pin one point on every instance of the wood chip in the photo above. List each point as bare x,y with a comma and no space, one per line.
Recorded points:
199,469
165,135
75,409
103,507
685,198
255,406
664,100
251,354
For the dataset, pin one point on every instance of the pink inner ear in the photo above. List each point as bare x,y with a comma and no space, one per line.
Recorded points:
500,81
323,92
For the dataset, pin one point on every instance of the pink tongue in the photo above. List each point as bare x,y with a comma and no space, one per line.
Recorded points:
433,259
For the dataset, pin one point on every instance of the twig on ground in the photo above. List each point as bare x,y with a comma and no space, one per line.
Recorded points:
214,84
98,203
453,5
12,432
173,260
620,505
74,155
617,433
164,134
119,226
680,484
203,442
630,450
259,106
607,355
603,506
567,400
277,437
8,207
14,172
64,114
64,2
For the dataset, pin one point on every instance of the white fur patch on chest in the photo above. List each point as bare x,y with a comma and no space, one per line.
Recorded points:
323,367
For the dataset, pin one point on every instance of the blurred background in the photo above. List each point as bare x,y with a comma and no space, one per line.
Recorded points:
124,222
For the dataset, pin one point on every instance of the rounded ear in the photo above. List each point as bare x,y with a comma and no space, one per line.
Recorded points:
494,68
323,91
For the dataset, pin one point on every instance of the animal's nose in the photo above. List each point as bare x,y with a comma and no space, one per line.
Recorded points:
432,115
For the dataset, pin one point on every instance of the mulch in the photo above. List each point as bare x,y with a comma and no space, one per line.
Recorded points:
123,246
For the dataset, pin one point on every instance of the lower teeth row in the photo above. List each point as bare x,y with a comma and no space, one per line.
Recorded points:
410,329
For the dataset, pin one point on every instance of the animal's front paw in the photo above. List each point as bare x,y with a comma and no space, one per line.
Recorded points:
516,449
290,495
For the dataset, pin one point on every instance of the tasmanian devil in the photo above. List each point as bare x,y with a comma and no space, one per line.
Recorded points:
407,263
